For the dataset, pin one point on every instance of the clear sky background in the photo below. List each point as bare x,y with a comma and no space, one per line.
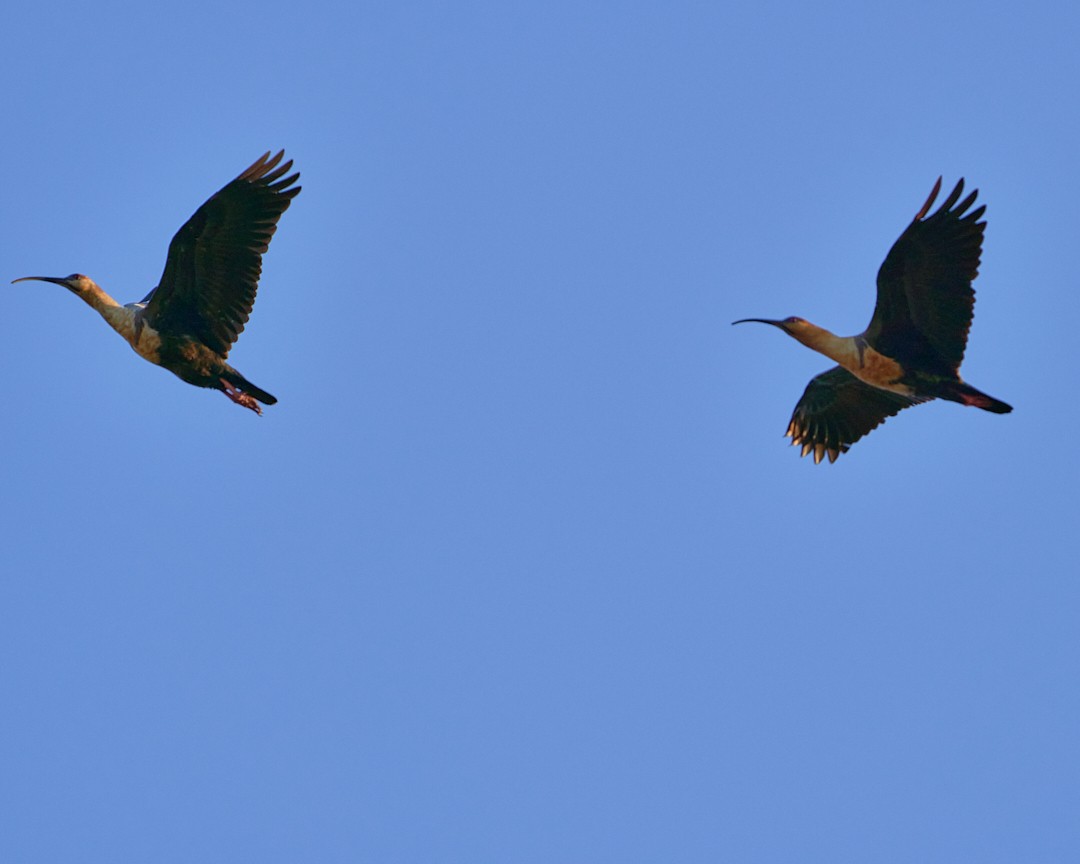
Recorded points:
520,568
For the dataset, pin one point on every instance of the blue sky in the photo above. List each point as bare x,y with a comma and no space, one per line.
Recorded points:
520,567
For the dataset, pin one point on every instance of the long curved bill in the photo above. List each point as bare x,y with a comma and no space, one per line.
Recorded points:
758,321
54,279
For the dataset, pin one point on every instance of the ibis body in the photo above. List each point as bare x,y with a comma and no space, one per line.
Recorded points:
189,322
912,350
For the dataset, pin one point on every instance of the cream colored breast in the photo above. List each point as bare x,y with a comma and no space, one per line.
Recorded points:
127,321
880,371
148,344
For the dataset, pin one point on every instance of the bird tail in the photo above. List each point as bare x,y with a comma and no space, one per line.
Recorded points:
241,383
965,394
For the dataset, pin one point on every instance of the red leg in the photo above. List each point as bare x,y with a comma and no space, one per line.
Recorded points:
240,397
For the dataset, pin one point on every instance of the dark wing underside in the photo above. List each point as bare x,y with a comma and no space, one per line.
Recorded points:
836,410
924,296
212,272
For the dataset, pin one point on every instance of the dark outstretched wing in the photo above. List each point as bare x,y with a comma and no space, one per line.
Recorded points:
924,296
214,263
837,409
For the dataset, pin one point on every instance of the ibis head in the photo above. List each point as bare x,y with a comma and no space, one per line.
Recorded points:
76,282
797,328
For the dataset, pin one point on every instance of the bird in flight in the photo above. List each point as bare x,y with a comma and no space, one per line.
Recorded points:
912,350
188,323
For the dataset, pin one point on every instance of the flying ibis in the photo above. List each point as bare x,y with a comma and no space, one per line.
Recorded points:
188,323
912,350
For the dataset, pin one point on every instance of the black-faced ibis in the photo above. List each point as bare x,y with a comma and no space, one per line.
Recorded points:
912,350
188,323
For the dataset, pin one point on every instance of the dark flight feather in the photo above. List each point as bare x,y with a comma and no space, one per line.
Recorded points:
837,409
925,301
212,273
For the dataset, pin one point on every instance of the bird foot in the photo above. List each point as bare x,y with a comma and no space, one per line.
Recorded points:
240,397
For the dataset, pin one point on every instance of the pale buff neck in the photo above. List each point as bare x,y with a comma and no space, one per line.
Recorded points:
120,318
843,349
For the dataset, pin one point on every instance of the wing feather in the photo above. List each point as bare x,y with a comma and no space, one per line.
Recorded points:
212,272
925,300
837,409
